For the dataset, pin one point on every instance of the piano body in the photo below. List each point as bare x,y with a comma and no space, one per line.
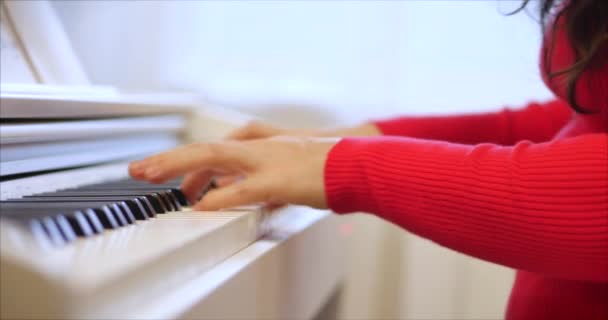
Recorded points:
79,239
241,263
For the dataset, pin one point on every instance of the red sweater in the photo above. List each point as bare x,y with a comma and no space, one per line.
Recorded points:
526,189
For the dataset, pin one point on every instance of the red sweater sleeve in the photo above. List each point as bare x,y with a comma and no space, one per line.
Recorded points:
535,207
536,122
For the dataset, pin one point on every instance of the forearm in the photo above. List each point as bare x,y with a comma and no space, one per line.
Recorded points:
537,122
536,207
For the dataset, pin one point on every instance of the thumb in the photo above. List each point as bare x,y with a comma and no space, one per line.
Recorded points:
245,192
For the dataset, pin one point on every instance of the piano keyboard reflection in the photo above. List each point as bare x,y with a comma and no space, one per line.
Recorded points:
58,218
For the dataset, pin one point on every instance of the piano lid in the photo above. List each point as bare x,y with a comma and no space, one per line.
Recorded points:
62,103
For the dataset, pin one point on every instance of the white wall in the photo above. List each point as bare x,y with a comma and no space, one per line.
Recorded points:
333,62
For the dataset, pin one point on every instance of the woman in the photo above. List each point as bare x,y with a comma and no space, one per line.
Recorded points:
526,189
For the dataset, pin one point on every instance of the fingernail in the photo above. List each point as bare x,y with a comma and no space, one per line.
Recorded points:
136,167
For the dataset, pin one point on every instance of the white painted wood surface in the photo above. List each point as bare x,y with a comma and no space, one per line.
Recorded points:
45,42
186,264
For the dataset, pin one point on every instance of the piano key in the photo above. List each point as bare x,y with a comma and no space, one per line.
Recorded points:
43,228
172,201
34,227
180,196
157,203
127,212
166,201
65,227
91,209
147,206
172,193
113,186
136,209
53,231
98,218
141,211
99,213
120,218
101,192
101,218
35,213
92,216
79,224
176,196
37,230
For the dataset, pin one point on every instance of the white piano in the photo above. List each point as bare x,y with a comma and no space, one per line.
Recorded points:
80,240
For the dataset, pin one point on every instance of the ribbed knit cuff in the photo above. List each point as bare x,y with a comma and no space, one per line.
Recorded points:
345,177
360,171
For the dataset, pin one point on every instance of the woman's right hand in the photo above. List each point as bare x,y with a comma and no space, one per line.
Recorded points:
259,130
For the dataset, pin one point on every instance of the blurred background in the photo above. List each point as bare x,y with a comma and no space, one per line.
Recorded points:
334,63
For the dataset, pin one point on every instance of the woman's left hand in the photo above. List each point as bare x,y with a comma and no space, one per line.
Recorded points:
275,170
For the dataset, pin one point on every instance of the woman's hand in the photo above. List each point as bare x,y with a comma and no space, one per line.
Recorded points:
277,170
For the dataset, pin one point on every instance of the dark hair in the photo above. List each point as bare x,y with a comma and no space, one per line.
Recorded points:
586,25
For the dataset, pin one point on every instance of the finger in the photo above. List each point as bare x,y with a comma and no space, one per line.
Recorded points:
246,192
136,170
195,183
223,181
231,157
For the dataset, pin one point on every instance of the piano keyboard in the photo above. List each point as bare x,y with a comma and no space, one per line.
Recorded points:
80,240
58,218
95,236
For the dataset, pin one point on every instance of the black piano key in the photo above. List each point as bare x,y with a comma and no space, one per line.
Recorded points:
52,231
147,206
170,201
159,200
61,219
125,186
105,216
37,230
92,216
174,200
166,201
151,202
79,224
157,203
127,212
84,202
181,197
155,194
105,192
137,208
118,215
58,218
65,227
